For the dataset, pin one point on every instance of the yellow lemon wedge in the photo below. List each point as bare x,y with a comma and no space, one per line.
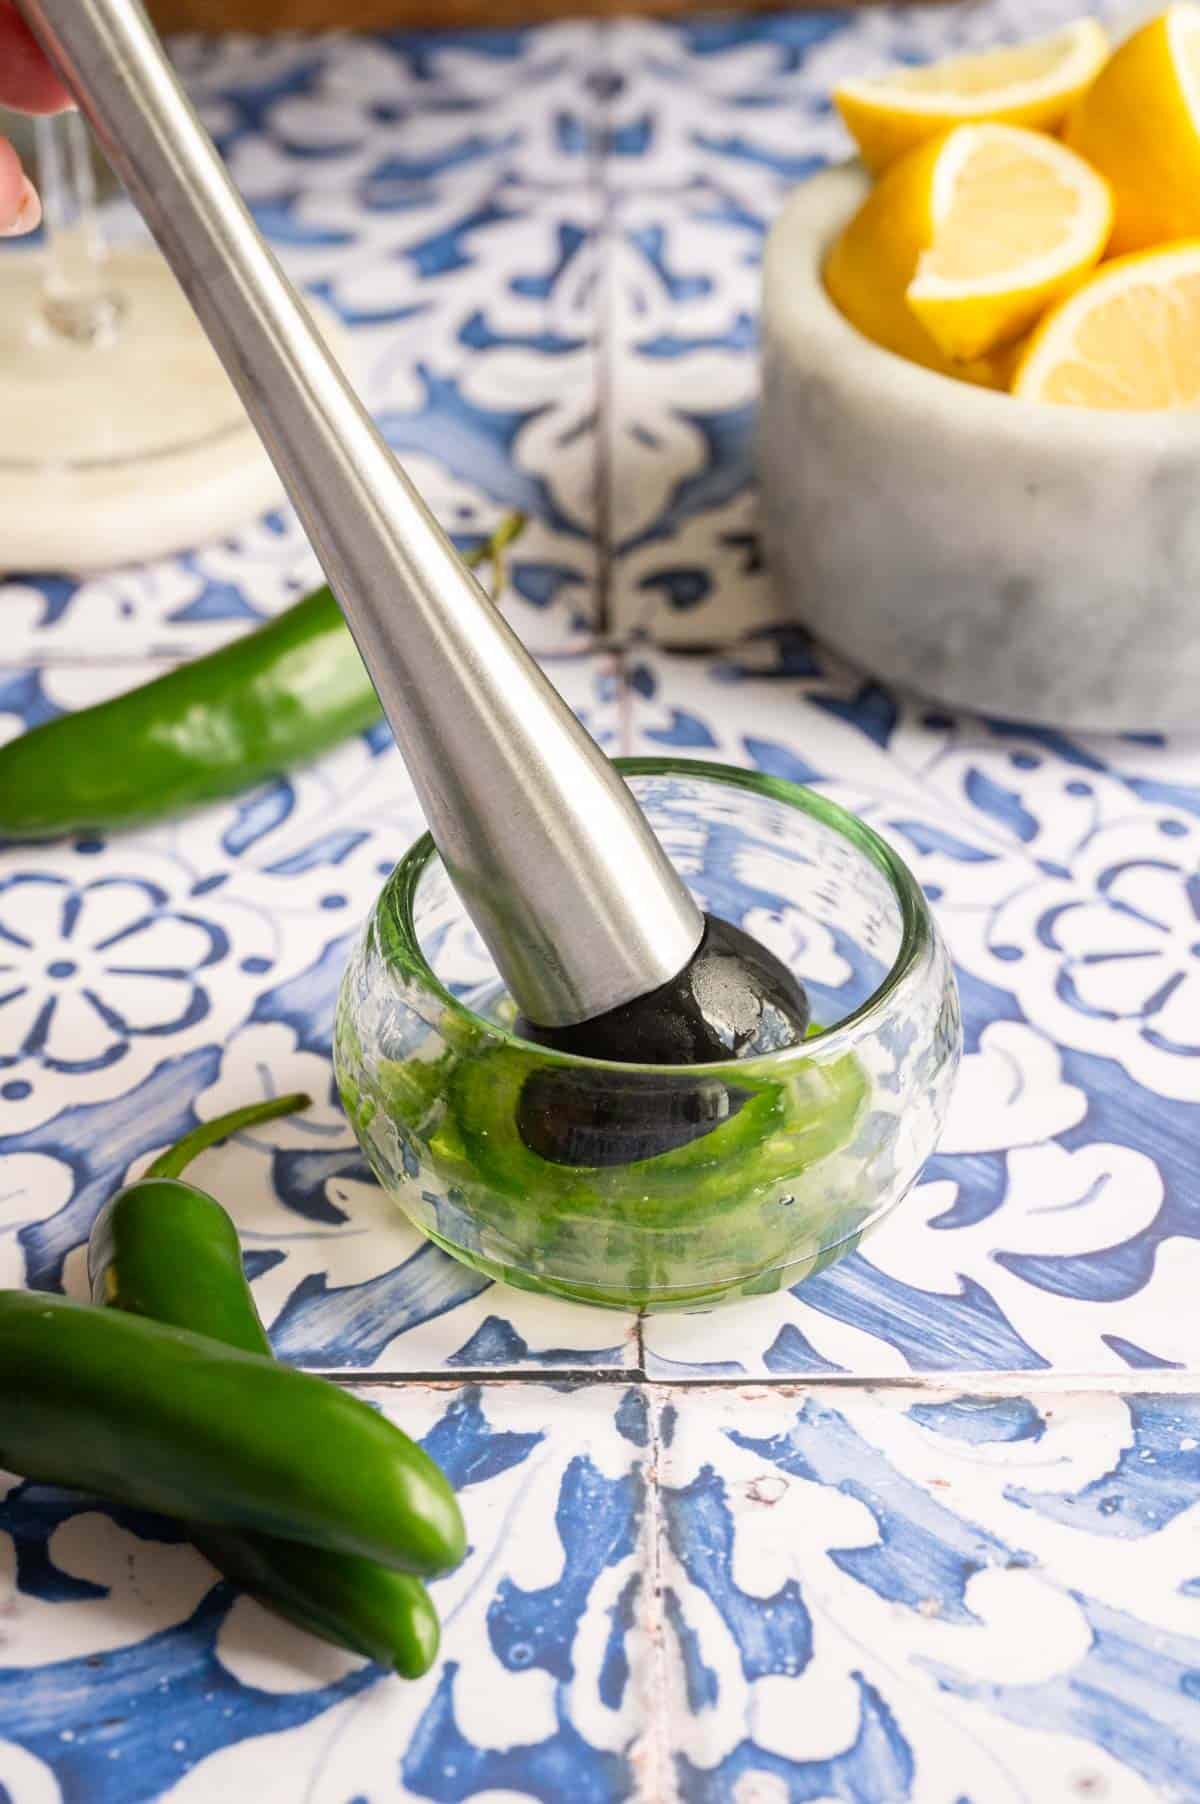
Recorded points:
1139,125
964,242
1128,338
1034,84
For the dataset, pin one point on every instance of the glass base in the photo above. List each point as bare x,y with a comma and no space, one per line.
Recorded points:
127,444
660,1300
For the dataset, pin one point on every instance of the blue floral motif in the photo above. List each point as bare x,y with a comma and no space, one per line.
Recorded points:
1123,945
85,968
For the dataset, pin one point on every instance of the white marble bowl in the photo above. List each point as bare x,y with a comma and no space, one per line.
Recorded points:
1035,562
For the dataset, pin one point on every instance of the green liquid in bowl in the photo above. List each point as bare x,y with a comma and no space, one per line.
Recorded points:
758,1201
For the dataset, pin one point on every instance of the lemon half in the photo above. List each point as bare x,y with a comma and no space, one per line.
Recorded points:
965,241
1034,84
1139,125
1128,338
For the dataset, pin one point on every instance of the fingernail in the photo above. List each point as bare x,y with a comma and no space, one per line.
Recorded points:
28,216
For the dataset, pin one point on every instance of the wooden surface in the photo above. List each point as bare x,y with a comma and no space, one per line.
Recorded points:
445,15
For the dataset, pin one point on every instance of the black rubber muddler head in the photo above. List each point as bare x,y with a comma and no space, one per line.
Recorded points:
733,1000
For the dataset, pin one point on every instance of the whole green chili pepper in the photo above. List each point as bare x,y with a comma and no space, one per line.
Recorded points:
172,1421
166,1250
276,698
169,1251
360,1605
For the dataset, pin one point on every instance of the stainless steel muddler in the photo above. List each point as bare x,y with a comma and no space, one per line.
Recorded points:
548,849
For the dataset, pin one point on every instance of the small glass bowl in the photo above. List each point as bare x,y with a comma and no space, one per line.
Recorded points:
812,1145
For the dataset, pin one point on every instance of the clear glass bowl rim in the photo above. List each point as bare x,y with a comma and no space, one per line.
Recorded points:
916,940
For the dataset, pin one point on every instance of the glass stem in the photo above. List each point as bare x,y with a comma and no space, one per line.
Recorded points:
77,300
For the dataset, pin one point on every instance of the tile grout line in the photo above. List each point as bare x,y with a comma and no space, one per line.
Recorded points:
979,1383
587,646
602,490
625,705
650,1750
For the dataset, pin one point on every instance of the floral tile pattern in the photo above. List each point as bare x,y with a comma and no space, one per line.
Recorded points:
714,1594
710,1561
931,1597
186,969
1057,1223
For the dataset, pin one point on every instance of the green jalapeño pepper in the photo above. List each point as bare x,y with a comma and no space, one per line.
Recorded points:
276,698
172,1421
166,1250
358,1604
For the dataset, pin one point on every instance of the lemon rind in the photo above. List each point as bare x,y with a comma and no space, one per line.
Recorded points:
882,96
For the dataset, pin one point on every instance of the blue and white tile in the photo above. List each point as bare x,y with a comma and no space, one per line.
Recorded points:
387,122
458,247
1057,1225
157,977
528,95
690,203
686,568
721,1593
743,105
746,103
129,1674
925,1597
